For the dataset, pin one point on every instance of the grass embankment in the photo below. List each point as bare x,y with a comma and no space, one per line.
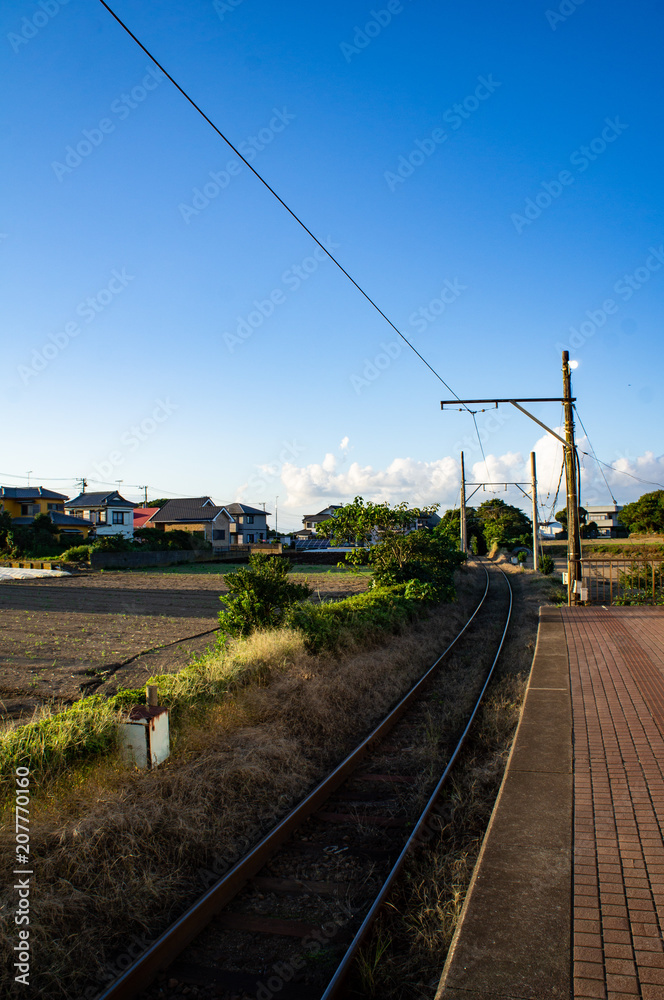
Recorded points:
62,740
118,853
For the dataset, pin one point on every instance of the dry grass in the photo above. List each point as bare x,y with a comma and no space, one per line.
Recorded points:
406,955
118,854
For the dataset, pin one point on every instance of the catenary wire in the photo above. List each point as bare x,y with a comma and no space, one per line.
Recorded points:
290,211
594,455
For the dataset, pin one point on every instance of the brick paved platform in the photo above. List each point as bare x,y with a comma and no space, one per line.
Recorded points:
617,675
567,898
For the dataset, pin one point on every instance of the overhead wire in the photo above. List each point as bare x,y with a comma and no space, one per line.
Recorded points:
594,455
291,213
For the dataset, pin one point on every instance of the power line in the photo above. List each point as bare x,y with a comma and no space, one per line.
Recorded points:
594,455
287,207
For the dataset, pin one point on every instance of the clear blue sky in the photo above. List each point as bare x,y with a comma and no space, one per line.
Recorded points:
100,204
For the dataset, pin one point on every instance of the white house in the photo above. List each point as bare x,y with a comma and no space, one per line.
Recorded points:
110,513
605,517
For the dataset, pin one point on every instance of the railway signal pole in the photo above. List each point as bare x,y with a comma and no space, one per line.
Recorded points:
571,467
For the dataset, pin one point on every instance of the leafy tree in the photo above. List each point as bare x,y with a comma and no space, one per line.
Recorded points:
450,524
645,515
359,523
506,525
396,553
561,517
260,595
157,503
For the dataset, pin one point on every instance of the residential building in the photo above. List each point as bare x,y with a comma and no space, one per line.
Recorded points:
249,524
109,513
142,515
25,503
199,515
606,518
308,530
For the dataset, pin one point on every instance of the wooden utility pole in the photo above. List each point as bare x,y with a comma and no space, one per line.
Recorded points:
573,530
464,538
533,473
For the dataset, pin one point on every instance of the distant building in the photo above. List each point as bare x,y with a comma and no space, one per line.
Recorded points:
142,515
109,513
25,503
199,515
307,532
606,518
224,526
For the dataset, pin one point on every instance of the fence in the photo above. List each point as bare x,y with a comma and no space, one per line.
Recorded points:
624,581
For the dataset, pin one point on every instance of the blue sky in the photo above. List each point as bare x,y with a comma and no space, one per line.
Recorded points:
489,173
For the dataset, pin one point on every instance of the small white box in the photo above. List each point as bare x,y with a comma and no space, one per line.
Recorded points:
565,579
144,737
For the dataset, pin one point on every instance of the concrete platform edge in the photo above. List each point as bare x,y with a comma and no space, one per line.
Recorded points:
513,939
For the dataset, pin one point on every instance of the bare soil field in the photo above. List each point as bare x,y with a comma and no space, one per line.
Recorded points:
63,638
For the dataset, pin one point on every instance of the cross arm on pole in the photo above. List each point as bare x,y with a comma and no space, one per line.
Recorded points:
517,404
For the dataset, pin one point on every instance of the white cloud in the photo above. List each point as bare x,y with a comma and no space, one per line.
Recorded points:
422,483
344,443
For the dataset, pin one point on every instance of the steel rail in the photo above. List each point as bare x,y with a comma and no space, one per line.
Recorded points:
418,836
186,928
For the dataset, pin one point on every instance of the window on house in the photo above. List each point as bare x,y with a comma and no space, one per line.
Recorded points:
118,517
218,534
251,539
250,518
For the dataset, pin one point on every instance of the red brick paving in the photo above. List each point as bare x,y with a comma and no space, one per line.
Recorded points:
617,675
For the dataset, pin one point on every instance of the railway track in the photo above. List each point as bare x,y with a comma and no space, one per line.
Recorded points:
289,919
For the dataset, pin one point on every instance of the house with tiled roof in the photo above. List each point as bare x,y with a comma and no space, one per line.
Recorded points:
25,503
142,515
109,513
249,526
224,526
199,515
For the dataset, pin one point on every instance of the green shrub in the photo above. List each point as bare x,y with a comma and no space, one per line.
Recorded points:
259,595
546,565
77,554
522,556
362,616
